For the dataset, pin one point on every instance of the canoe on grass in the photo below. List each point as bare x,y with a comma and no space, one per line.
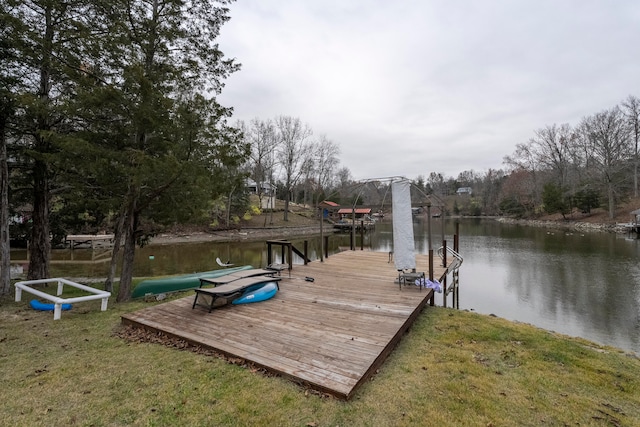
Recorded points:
179,283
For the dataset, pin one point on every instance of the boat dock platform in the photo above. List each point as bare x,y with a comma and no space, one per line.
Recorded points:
347,225
75,240
629,228
330,326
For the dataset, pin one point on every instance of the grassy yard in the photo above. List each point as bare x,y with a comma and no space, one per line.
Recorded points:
452,368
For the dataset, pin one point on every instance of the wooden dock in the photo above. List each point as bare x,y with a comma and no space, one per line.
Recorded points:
94,240
330,334
347,225
630,227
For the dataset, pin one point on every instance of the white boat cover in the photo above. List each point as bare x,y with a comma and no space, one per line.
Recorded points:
403,244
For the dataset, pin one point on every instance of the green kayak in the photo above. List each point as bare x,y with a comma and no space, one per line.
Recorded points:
179,283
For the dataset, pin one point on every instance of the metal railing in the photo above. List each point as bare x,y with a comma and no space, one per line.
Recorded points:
456,261
453,268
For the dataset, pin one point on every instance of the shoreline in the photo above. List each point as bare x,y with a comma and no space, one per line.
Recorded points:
241,235
280,232
566,225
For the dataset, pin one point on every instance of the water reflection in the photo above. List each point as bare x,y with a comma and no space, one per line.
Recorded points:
581,284
578,284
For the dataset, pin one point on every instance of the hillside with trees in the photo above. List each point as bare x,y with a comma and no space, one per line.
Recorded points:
571,171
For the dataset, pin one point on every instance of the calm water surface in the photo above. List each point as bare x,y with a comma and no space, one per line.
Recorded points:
579,284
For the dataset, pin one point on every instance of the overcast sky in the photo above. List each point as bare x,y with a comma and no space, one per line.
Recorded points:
410,87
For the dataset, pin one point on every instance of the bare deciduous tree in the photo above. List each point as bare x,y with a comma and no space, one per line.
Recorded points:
604,137
293,151
436,182
631,108
325,154
261,135
524,159
552,147
520,188
490,185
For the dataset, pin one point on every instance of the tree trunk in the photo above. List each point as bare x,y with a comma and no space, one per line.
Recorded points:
126,275
40,241
229,207
115,252
130,225
612,202
635,172
286,205
5,251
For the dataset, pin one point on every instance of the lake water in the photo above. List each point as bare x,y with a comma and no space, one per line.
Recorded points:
579,284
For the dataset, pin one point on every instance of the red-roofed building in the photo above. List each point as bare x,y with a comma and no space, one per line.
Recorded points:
348,212
329,208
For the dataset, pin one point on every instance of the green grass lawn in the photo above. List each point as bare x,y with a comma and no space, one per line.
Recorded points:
452,368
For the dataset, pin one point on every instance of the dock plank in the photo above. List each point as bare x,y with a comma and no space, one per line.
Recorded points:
331,333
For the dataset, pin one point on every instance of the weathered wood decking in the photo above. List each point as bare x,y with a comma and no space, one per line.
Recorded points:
330,334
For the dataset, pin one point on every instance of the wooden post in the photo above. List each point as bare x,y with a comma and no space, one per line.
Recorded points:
429,230
442,222
362,235
306,251
321,235
456,247
456,243
351,244
430,264
353,229
457,279
326,246
444,281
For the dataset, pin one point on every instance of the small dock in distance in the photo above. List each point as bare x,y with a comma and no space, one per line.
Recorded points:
632,226
93,240
330,334
346,225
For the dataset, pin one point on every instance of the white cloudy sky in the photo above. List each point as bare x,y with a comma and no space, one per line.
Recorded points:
410,87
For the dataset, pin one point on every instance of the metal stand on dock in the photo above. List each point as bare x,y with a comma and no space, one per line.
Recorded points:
286,254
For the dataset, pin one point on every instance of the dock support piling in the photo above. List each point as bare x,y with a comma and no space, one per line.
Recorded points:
456,274
322,241
306,252
326,246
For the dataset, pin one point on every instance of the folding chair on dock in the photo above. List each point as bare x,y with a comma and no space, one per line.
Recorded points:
277,268
410,277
